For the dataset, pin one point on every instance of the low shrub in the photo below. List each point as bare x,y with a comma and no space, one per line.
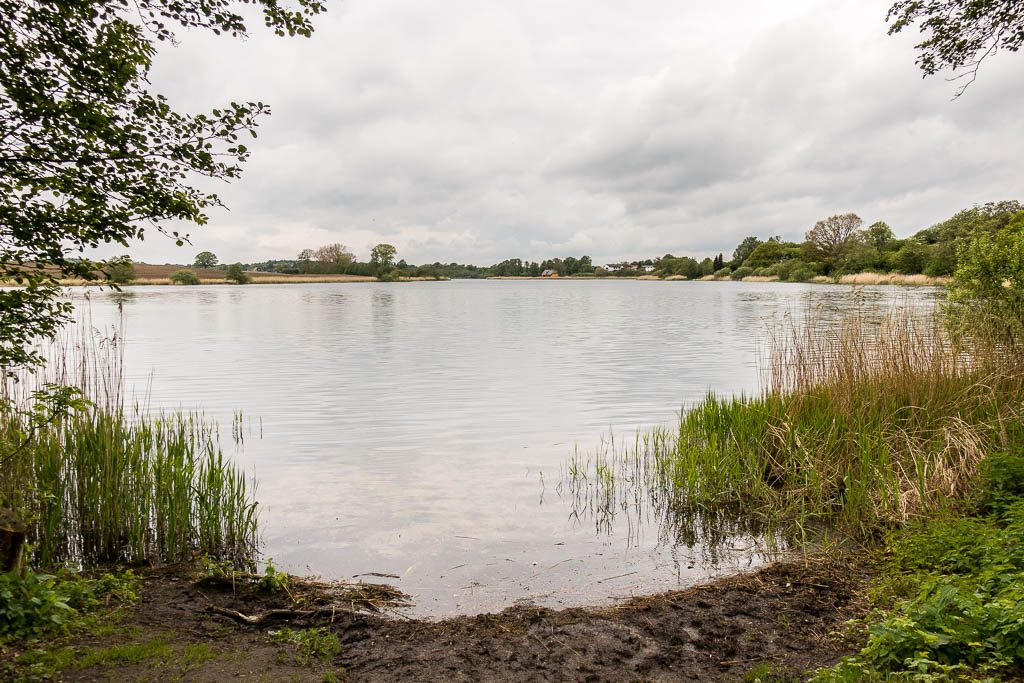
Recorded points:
184,277
801,272
741,272
723,273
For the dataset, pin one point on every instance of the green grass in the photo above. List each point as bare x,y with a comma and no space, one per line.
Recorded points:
310,644
46,664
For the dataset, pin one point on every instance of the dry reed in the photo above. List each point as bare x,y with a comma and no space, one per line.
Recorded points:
917,280
862,423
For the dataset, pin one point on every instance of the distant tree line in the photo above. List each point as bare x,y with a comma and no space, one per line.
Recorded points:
841,245
837,245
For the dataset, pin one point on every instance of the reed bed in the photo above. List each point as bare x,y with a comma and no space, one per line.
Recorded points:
111,482
861,424
917,280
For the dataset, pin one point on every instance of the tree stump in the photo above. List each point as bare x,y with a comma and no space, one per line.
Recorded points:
12,540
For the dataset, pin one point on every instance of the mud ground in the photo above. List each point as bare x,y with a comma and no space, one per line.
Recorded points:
776,624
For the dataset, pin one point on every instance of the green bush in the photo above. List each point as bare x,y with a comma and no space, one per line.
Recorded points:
184,277
120,270
987,291
741,272
910,259
723,273
389,276
964,616
236,273
800,272
1000,482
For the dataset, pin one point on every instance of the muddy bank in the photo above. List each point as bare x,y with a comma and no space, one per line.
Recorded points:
779,617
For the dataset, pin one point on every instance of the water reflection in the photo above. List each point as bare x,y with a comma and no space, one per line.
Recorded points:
622,490
406,426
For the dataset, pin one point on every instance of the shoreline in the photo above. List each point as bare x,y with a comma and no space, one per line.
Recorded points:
858,279
862,279
776,616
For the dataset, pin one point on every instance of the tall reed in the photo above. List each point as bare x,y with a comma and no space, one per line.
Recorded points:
112,482
863,424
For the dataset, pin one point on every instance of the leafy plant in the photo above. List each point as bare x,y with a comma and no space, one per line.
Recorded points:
273,581
741,272
988,285
310,644
965,611
35,603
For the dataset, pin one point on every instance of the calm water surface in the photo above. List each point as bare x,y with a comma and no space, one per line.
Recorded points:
418,429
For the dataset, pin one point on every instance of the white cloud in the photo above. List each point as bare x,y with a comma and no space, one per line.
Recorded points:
480,130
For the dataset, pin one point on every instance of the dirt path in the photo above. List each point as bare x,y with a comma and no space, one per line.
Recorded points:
776,619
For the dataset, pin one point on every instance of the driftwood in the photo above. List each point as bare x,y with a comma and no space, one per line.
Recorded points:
275,614
12,540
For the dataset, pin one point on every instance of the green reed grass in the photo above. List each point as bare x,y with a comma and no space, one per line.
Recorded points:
113,483
861,424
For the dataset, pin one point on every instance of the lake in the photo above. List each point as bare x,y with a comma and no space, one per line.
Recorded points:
419,429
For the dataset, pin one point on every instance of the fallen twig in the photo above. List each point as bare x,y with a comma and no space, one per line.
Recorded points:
618,576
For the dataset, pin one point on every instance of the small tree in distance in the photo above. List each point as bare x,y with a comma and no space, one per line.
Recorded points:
827,239
745,249
205,259
383,255
336,254
236,273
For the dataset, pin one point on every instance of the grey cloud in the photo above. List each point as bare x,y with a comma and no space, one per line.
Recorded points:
483,130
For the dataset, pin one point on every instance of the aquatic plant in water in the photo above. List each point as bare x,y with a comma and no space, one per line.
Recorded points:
108,482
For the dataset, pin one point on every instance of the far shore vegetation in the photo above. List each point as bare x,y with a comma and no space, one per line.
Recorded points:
838,249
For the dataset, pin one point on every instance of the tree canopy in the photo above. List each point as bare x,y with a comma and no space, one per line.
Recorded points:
383,255
744,249
960,34
205,259
89,155
334,254
827,239
765,254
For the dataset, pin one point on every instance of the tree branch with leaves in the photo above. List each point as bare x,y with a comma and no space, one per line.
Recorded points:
89,155
960,34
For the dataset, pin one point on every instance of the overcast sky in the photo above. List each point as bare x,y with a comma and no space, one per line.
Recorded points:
478,130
